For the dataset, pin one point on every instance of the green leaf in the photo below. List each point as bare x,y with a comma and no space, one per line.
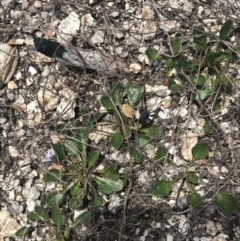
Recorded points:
118,94
76,189
137,156
82,136
97,200
199,40
108,186
71,147
195,199
203,94
129,131
200,151
117,140
134,93
32,216
176,45
54,175
162,187
161,153
57,217
145,142
112,172
152,54
54,199
199,80
59,150
61,128
76,202
22,232
67,232
216,57
226,29
153,132
192,178
107,103
173,86
226,202
41,212
208,127
216,105
92,159
171,62
83,218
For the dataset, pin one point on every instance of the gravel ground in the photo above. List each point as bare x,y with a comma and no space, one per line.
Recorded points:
37,93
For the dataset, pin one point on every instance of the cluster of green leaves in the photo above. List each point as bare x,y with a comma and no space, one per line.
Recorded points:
226,202
81,181
201,65
126,127
202,68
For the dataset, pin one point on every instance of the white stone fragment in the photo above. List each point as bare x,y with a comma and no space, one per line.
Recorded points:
32,70
164,114
48,99
20,133
98,37
12,85
135,68
8,225
153,103
160,90
38,4
167,101
114,203
189,141
88,20
211,229
13,151
68,28
66,109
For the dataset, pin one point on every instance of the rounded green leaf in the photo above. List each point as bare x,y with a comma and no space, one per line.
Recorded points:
173,86
83,218
108,186
53,175
199,40
137,156
117,140
92,159
22,232
162,187
199,80
41,212
145,142
200,151
128,131
152,54
208,127
226,29
54,199
57,217
71,147
32,216
226,202
107,103
76,189
59,150
192,178
75,202
176,45
134,93
161,153
195,199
